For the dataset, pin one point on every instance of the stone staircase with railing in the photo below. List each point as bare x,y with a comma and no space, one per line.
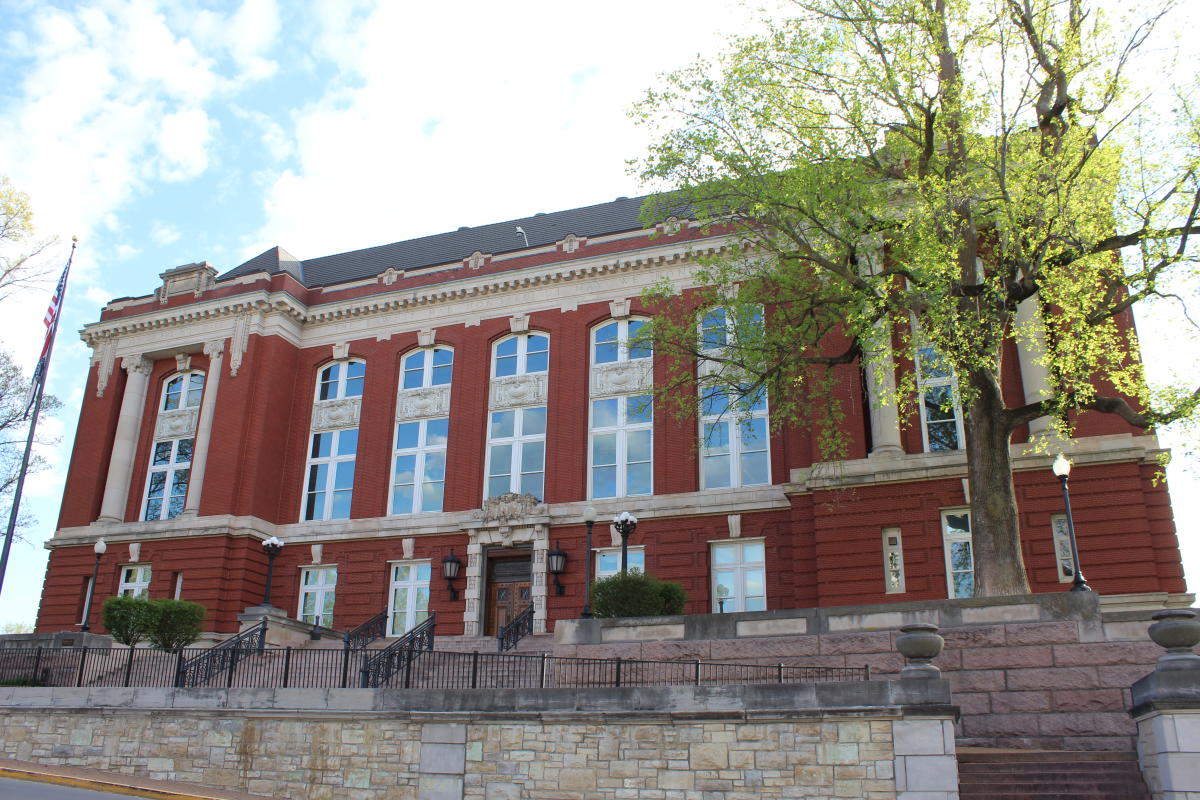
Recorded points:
1049,775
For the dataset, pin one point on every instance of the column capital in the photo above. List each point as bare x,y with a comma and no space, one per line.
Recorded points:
215,348
137,365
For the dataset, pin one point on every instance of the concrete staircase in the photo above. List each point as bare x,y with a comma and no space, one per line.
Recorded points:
530,645
1049,775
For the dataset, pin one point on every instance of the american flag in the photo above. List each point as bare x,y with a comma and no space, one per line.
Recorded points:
51,320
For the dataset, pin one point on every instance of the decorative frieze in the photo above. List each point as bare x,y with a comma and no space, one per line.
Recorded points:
519,390
510,507
177,424
104,357
622,377
333,414
432,401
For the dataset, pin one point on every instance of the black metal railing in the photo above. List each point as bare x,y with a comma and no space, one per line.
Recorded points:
396,660
369,631
223,659
415,667
520,627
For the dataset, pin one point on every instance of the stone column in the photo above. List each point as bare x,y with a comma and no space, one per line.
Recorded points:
885,422
129,423
215,352
1030,353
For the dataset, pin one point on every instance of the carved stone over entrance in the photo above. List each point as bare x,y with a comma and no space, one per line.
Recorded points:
504,521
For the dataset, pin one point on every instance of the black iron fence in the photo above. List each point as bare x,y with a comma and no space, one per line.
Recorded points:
436,669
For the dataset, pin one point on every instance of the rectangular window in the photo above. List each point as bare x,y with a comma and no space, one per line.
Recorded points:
1062,548
317,591
733,439
167,481
622,446
419,466
330,477
941,415
739,576
960,554
135,581
516,460
608,561
408,598
893,561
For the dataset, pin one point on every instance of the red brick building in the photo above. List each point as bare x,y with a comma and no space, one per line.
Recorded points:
472,393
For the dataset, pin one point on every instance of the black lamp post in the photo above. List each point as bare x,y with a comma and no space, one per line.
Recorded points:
556,562
1062,468
626,524
451,564
271,547
589,519
99,549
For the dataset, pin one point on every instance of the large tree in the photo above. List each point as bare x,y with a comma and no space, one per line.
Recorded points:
897,177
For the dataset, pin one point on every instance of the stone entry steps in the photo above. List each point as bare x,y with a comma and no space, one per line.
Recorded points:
1049,775
536,643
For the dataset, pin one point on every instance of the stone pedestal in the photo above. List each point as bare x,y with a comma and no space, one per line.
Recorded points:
282,630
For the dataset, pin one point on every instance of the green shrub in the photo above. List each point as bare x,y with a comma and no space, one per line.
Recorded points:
635,594
164,623
127,619
174,624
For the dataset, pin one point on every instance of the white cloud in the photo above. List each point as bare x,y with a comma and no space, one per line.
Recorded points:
183,142
127,251
164,233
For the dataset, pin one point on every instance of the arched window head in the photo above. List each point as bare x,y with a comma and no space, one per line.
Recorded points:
616,341
523,354
431,366
341,379
183,391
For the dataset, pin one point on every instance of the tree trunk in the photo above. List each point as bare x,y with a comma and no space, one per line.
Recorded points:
995,532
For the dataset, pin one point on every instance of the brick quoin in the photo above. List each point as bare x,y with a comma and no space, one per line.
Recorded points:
823,542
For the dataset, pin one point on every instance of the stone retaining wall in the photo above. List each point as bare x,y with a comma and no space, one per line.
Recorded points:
877,740
1038,671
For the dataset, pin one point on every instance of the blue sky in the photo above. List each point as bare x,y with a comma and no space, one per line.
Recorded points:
163,133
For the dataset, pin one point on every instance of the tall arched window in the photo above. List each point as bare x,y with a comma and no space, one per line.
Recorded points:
615,341
171,455
516,454
430,366
333,443
523,354
422,430
183,391
341,379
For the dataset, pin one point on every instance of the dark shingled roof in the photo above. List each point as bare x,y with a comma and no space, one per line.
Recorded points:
617,216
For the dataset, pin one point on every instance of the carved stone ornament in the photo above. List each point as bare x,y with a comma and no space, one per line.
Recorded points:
104,355
391,275
618,309
215,349
476,260
318,552
519,390
622,377
135,552
511,506
519,323
432,401
332,414
139,365
176,424
341,351
183,362
425,337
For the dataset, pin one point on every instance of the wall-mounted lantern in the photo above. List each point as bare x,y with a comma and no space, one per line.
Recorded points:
451,565
556,562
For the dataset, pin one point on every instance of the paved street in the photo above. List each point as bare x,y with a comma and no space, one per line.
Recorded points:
35,790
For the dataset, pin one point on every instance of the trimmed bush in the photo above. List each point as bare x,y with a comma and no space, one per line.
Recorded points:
636,594
127,619
166,624
174,624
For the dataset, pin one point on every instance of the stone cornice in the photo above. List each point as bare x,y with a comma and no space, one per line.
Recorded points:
469,287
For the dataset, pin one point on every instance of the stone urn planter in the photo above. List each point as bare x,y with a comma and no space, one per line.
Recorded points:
1177,631
919,643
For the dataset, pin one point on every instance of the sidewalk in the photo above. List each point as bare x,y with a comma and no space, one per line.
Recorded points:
113,782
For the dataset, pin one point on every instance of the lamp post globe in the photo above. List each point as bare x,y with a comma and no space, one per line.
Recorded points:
271,547
626,524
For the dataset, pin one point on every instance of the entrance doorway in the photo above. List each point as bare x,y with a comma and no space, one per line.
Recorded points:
508,587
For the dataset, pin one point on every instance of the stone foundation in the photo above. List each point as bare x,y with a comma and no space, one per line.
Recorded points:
877,740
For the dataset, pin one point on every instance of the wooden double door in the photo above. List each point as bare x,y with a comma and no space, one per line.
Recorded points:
508,592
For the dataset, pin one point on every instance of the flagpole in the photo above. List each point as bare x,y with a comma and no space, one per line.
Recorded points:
37,407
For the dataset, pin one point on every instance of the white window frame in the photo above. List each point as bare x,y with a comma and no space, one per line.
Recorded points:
135,580
1064,562
332,461
344,385
517,442
521,356
412,614
621,343
621,430
927,383
189,395
734,416
428,355
737,601
949,538
729,325
601,552
320,592
425,458
893,560
169,470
